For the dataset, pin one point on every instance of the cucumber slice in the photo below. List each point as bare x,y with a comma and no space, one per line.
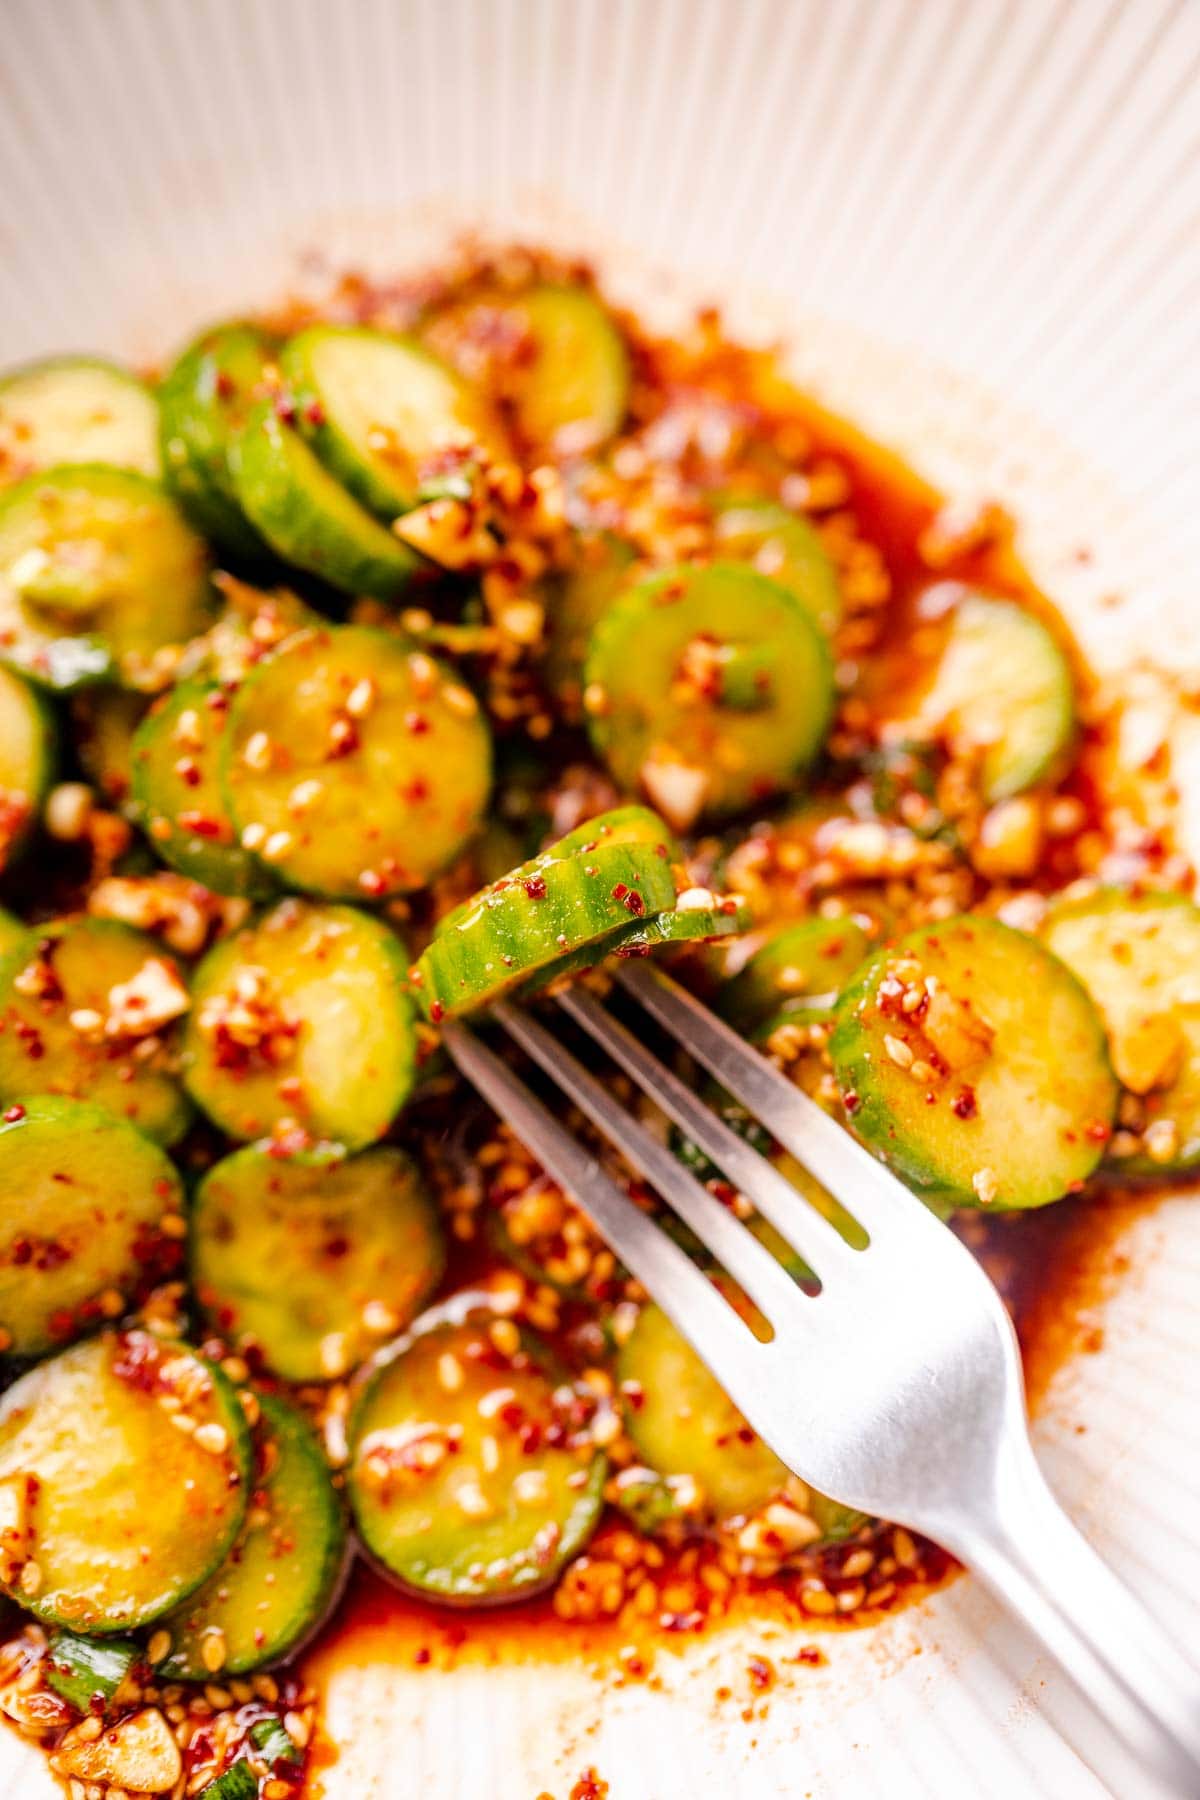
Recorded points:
314,1257
653,690
82,1201
465,1481
27,744
724,915
103,721
683,1423
303,1018
76,409
554,351
575,604
378,409
121,1513
88,1673
100,575
307,517
77,1017
1002,689
276,1585
358,766
237,1782
1139,958
203,402
814,956
996,1090
611,873
784,546
178,796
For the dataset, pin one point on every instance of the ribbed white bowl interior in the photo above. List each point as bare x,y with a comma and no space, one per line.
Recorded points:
978,224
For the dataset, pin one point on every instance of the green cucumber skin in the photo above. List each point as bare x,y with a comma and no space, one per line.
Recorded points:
83,1670
821,954
275,474
221,865
196,425
144,459
809,573
44,723
237,1782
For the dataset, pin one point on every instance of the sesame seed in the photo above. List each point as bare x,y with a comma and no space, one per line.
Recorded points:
214,1438
277,845
159,1647
472,1501
449,1372
254,837
258,752
985,1185
899,1052
361,698
214,1651
460,700
380,1319
30,1579
505,1336
489,1453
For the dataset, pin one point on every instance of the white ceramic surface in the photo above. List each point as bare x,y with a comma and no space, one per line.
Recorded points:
978,222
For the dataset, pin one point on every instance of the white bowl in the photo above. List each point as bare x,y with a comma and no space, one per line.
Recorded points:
979,226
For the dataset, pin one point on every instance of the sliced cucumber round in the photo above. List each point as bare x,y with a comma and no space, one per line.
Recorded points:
203,402
575,604
718,916
303,1018
614,872
659,709
556,354
103,721
88,1010
278,1582
306,515
121,1512
27,747
178,796
1139,958
1002,689
377,408
356,765
466,1480
314,1258
812,957
82,1200
994,1088
784,546
76,409
100,575
683,1423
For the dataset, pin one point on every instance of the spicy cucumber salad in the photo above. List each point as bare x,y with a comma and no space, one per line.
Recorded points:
363,666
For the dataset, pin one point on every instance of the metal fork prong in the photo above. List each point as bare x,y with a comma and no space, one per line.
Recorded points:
693,1304
868,1191
821,1245
737,1250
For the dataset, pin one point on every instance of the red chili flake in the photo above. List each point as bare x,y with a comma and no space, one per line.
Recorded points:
635,904
285,408
314,413
200,824
13,1114
372,882
423,1656
1098,1131
964,1104
415,791
535,887
762,1675
188,771
810,1656
620,891
437,1012
416,723
225,385
851,1101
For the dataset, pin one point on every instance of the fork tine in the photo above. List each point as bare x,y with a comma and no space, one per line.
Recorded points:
822,1246
752,1266
876,1198
695,1307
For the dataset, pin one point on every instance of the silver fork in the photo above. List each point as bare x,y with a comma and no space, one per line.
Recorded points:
919,1412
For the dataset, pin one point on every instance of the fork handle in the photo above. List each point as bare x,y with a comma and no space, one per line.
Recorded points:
1039,1565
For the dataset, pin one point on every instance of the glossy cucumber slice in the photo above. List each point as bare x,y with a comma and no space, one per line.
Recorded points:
683,1423
659,710
554,351
575,603
88,1673
76,409
613,872
203,403
306,515
784,546
720,915
100,575
178,797
377,409
456,1492
103,721
237,1782
996,1089
1139,958
83,1197
314,1257
158,1507
303,1019
27,747
277,1583
89,1011
812,957
1003,690
354,764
